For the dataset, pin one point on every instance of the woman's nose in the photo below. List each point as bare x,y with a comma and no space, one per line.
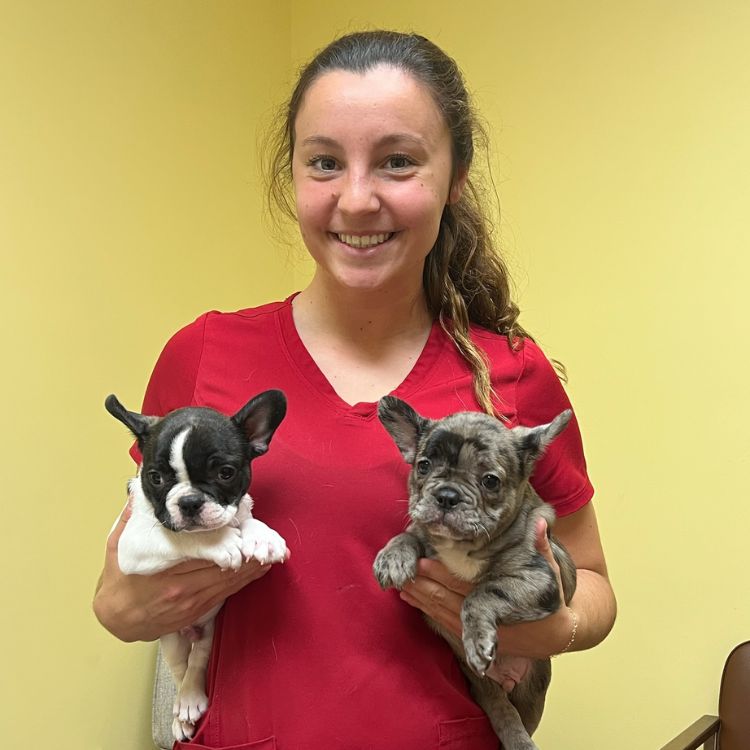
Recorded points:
358,194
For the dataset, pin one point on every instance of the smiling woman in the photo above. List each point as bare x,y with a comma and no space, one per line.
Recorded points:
372,173
409,297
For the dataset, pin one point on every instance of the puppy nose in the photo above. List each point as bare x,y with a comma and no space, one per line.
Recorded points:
190,504
447,498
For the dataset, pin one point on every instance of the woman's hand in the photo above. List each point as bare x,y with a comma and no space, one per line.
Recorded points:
440,595
142,608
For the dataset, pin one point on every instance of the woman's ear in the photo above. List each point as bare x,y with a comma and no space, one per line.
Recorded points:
457,186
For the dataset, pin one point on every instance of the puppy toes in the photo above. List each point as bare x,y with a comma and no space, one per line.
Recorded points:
229,557
189,706
227,553
182,731
262,543
267,548
393,568
480,650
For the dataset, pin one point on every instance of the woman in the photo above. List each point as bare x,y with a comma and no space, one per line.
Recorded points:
407,298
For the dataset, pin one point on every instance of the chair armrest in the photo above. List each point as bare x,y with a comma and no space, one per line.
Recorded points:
695,735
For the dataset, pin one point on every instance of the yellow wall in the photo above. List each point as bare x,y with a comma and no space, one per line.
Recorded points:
129,204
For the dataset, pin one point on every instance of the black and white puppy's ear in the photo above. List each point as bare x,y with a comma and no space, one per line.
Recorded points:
260,417
532,442
404,425
138,424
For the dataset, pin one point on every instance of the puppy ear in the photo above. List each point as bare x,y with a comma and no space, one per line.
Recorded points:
403,423
531,442
260,417
138,424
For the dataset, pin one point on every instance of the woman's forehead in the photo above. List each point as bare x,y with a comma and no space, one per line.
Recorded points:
384,99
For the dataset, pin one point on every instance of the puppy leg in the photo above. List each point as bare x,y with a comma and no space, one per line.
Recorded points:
222,546
529,695
261,542
176,650
396,563
505,719
191,701
503,601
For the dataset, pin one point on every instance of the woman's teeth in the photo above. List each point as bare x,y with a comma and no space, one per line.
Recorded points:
363,241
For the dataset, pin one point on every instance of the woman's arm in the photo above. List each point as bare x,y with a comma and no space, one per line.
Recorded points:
437,593
594,600
143,608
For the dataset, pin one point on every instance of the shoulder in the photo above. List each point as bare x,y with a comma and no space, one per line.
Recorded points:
530,393
260,312
213,323
521,374
524,355
211,338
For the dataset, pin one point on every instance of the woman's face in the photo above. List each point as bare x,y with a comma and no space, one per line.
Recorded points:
372,172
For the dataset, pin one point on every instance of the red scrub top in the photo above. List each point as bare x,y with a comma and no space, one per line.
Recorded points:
314,655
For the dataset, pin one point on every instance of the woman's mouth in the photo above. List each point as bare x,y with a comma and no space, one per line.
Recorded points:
363,241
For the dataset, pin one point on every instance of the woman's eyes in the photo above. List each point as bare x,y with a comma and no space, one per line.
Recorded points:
322,163
398,161
328,164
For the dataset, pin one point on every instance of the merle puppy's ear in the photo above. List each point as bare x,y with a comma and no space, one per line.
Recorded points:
138,424
260,417
403,423
531,442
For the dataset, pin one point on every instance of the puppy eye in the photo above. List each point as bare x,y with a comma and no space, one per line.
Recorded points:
423,466
490,482
154,477
226,473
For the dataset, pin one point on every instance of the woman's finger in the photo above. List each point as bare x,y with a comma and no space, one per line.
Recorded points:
439,602
440,574
544,548
542,541
236,582
119,526
444,616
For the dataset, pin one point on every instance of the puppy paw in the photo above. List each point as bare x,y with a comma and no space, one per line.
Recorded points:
228,554
480,647
182,731
394,566
189,706
264,545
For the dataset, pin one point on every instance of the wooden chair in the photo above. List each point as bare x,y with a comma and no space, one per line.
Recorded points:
730,730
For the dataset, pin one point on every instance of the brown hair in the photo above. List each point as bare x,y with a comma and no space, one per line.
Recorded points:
464,280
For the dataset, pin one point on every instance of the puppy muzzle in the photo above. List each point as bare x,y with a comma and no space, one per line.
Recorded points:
189,509
446,511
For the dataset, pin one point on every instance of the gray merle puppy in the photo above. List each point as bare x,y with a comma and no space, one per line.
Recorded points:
472,508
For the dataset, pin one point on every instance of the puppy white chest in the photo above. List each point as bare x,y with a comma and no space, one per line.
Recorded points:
455,557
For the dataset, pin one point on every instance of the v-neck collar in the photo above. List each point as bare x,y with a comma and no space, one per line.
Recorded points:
302,360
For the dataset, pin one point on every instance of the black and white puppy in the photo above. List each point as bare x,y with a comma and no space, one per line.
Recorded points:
471,507
189,501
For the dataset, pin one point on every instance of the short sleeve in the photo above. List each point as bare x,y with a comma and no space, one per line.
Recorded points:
172,382
560,476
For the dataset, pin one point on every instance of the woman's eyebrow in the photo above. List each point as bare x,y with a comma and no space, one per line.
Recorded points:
319,140
391,138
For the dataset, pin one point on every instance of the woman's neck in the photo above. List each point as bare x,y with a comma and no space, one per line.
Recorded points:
364,343
364,318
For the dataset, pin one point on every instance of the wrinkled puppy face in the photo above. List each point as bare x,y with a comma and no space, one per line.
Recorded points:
469,470
196,461
195,470
465,477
